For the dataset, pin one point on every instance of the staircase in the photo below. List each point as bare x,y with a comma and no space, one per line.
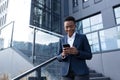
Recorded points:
97,76
93,76
35,78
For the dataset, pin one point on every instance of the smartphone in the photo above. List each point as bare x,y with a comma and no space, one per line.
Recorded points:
66,45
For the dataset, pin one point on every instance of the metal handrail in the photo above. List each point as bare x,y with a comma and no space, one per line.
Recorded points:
12,22
46,31
34,68
4,26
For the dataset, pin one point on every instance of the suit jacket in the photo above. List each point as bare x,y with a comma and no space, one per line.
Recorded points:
76,63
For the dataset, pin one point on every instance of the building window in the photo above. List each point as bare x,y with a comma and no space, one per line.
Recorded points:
87,26
94,41
85,0
91,24
97,1
46,16
75,3
117,14
111,41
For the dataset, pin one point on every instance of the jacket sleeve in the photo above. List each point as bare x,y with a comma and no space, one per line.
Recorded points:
85,53
59,56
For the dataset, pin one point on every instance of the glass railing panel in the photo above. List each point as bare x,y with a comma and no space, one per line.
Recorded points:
31,76
46,47
110,38
6,36
23,39
52,71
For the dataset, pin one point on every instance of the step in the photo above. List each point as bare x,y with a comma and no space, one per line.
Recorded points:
35,78
92,71
95,75
100,78
32,78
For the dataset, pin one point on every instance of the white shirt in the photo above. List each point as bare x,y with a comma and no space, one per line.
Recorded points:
71,39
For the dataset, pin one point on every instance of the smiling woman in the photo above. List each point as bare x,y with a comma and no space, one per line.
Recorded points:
69,26
75,55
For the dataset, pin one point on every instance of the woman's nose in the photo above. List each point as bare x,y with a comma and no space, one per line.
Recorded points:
68,28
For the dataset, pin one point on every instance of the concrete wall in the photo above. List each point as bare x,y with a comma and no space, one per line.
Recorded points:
107,63
12,63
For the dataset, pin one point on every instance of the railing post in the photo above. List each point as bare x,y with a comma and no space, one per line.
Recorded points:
36,68
11,43
38,74
33,48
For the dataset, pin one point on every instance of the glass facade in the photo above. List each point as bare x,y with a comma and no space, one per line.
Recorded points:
46,14
110,38
117,14
91,24
104,40
75,3
99,40
94,41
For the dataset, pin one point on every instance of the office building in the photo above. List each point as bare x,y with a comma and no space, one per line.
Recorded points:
99,20
32,28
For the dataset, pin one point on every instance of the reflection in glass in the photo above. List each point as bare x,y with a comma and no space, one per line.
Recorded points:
79,27
5,36
96,27
86,23
75,3
110,38
117,14
85,0
96,19
91,24
117,10
46,14
23,42
46,47
46,44
45,39
87,29
118,20
93,41
96,22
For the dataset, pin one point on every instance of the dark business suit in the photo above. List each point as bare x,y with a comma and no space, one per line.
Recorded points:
75,63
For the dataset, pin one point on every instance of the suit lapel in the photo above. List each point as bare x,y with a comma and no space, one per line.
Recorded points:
76,41
65,40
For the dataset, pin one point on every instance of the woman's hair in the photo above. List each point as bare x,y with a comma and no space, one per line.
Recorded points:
70,18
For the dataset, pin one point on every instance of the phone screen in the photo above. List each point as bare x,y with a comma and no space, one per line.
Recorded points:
66,45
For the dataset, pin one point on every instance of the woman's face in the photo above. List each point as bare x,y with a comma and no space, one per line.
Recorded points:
69,27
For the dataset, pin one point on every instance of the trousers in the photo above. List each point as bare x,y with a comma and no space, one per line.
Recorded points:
76,78
72,76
